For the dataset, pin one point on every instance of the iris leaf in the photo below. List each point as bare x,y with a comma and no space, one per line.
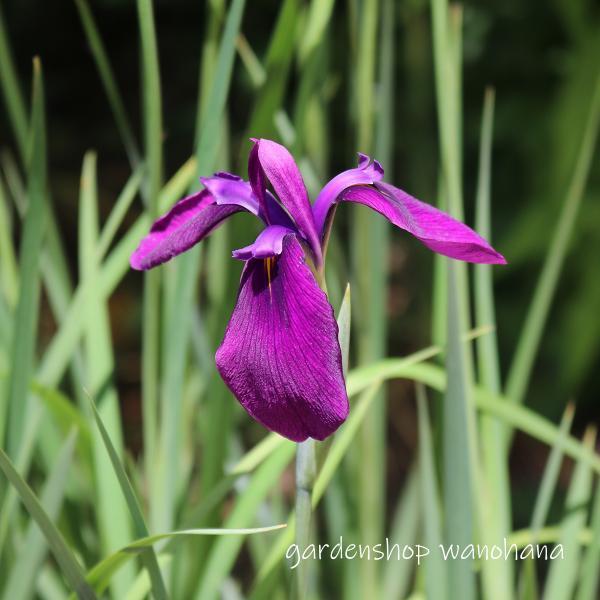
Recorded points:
114,521
535,320
436,575
27,310
563,574
139,524
109,81
65,558
24,573
547,488
100,575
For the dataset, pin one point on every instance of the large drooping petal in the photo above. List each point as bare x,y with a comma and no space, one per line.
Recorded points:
268,243
188,222
437,230
279,167
366,173
280,354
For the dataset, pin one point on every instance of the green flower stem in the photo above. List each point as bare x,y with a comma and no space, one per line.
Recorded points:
306,470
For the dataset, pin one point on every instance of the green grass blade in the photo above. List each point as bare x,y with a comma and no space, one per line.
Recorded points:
65,558
99,576
253,66
9,277
25,328
458,447
436,575
137,517
563,575
67,416
152,104
458,426
494,490
141,587
152,281
224,552
118,212
487,349
404,528
277,67
588,584
50,585
370,257
319,15
551,473
209,138
207,132
12,92
528,581
22,463
179,312
54,265
306,469
523,358
214,20
344,321
23,575
57,356
515,416
108,81
360,378
113,520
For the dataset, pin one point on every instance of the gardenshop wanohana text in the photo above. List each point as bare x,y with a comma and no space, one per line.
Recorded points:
392,551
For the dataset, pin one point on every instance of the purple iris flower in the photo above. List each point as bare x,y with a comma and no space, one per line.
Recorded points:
280,355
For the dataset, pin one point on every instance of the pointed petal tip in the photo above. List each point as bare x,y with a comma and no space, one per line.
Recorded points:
363,160
135,263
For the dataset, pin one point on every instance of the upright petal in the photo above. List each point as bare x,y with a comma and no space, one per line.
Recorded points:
280,354
366,173
188,222
281,170
437,230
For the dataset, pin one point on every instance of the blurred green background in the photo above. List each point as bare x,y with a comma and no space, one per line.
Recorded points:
540,57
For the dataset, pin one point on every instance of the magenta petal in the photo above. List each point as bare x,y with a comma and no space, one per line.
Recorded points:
437,230
268,243
281,170
188,222
280,355
366,173
227,188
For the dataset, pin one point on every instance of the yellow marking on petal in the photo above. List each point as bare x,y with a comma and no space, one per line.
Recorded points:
269,262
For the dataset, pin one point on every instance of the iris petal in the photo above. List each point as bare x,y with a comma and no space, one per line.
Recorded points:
279,167
227,188
437,230
366,173
268,244
186,224
280,354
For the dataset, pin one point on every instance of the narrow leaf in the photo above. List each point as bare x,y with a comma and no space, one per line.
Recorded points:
65,558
